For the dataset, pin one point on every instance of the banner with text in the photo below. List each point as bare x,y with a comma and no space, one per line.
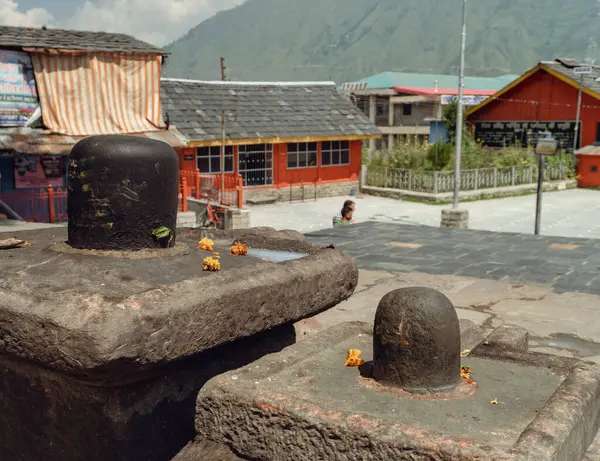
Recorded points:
524,134
467,100
18,92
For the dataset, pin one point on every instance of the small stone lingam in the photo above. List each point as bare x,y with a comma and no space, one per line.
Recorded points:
109,328
416,342
409,400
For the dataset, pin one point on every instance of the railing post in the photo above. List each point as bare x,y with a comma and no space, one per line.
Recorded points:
495,177
409,179
197,178
51,210
477,179
436,179
513,173
363,175
184,194
385,174
530,174
240,191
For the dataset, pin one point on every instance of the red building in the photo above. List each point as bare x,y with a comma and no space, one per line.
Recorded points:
282,139
543,99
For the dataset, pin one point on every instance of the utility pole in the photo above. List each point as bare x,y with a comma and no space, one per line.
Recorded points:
576,137
459,109
581,71
223,78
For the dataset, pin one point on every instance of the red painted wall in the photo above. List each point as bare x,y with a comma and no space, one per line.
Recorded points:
187,159
557,102
585,176
282,176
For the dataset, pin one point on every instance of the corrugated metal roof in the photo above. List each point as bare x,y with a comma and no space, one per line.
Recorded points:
387,80
36,142
442,91
29,37
256,110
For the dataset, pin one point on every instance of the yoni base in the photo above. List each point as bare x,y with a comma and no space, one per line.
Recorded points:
454,218
302,404
51,416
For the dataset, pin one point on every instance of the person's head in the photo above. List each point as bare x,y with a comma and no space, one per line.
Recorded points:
349,204
347,213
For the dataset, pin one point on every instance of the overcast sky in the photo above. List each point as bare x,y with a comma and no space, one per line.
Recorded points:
156,21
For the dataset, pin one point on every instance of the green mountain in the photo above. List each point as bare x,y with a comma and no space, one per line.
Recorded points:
349,39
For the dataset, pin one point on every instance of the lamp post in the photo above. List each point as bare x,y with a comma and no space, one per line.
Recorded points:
454,217
546,145
459,109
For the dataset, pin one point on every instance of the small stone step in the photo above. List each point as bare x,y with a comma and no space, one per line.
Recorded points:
263,200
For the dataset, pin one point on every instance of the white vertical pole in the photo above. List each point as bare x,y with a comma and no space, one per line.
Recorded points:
459,110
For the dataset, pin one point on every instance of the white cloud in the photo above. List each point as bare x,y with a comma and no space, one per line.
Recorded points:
34,17
155,21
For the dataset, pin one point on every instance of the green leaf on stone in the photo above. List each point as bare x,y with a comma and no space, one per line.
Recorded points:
163,233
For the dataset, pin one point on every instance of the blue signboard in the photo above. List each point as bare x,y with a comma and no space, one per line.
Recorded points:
18,93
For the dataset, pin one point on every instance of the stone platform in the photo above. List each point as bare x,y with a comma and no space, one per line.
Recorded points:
103,353
303,404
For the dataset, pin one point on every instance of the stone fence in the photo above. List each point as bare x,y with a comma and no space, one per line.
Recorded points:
439,182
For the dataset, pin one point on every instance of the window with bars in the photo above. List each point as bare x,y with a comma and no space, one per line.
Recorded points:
209,159
302,155
256,164
335,153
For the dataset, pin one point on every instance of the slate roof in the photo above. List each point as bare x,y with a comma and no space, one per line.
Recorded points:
566,66
261,110
27,37
387,80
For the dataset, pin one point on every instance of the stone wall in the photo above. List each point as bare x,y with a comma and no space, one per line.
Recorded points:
309,192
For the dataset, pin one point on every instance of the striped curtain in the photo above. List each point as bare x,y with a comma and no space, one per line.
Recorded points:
100,93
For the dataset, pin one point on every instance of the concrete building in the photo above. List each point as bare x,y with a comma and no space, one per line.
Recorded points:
410,106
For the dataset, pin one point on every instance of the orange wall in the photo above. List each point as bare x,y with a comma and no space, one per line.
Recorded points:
557,102
190,155
283,177
586,177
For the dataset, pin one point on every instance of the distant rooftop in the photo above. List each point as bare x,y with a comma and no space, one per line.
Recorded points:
388,80
261,110
28,37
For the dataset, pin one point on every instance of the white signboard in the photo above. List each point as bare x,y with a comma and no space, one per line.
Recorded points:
546,146
582,70
467,100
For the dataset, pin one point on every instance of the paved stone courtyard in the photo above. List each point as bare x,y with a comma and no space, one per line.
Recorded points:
572,213
566,264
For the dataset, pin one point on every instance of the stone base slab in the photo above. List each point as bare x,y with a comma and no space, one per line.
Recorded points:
297,193
458,219
302,404
53,417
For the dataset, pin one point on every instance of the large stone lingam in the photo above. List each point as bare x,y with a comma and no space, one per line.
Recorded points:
409,400
109,328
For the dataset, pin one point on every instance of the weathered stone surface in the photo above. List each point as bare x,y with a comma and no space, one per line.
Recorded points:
416,341
508,338
455,218
109,318
205,450
50,416
102,353
302,404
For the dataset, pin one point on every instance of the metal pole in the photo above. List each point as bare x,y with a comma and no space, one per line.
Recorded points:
540,187
222,156
459,109
576,138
